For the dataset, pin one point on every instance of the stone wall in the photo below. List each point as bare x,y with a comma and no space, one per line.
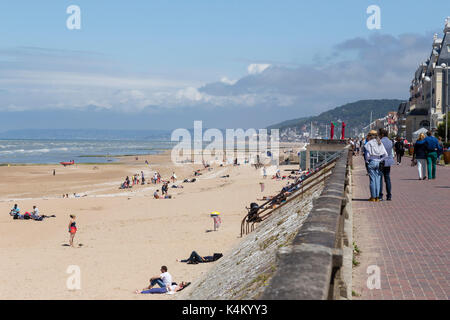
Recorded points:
316,265
245,272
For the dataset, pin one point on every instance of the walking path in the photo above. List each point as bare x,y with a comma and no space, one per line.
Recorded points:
408,238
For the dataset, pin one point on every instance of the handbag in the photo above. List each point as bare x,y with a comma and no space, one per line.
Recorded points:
382,165
413,162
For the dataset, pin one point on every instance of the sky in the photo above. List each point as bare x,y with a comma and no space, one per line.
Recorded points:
148,64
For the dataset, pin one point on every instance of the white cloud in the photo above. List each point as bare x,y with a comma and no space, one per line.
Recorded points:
256,68
379,66
227,81
189,93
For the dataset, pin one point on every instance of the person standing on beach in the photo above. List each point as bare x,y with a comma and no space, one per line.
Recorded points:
375,153
72,229
388,162
216,219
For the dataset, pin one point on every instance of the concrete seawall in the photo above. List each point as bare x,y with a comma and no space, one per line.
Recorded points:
245,272
306,242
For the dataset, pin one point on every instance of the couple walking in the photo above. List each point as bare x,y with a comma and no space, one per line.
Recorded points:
426,153
379,159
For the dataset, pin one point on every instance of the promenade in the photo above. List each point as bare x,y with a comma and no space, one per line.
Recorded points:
408,238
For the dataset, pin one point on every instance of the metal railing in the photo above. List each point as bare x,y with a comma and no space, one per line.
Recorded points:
303,185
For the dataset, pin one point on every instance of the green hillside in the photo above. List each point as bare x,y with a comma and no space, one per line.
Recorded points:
356,115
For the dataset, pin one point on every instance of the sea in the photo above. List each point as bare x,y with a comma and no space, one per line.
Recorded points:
52,151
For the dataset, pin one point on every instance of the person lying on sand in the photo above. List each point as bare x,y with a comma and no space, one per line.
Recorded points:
195,258
169,290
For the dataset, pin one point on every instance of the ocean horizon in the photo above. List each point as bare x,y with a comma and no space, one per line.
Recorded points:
54,151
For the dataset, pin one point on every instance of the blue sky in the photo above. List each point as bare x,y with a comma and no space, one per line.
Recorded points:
187,60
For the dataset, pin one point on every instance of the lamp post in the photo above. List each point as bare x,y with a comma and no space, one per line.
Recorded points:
428,79
445,67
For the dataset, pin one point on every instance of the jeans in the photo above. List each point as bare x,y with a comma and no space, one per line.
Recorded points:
194,257
159,282
375,178
422,167
386,173
154,290
431,159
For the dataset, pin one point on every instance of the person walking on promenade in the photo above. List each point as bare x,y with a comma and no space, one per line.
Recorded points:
399,147
375,153
433,150
388,162
420,156
363,150
441,146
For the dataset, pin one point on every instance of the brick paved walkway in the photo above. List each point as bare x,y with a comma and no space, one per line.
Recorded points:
407,238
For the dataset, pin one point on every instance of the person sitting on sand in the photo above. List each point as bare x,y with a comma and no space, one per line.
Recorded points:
35,213
164,280
165,188
197,173
195,258
156,195
170,290
14,211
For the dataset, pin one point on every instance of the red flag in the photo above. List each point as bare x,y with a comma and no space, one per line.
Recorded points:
343,130
332,131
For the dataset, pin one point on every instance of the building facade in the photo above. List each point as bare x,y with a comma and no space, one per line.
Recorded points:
429,90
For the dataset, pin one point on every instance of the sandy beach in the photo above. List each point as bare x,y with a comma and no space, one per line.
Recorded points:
126,235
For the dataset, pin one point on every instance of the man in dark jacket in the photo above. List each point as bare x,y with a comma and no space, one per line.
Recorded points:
433,150
388,162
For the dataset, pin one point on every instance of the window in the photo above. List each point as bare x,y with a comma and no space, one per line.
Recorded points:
448,47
